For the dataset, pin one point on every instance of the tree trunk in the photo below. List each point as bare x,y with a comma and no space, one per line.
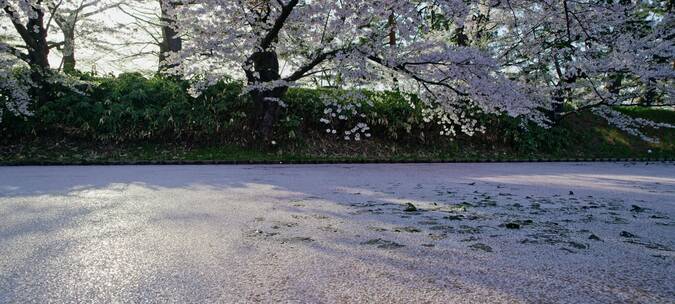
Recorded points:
265,69
392,30
558,108
392,44
170,40
38,54
68,51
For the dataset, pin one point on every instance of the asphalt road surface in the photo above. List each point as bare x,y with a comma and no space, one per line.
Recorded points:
428,233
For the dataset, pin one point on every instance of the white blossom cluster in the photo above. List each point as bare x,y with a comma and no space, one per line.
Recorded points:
14,90
630,125
344,116
588,53
14,85
449,121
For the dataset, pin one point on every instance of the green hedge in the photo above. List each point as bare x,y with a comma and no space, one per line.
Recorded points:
132,108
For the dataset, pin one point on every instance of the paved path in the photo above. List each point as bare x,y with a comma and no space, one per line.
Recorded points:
586,233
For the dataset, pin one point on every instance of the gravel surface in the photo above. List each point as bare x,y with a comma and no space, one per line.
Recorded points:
428,233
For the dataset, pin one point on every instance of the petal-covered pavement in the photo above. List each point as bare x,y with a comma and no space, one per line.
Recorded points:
399,233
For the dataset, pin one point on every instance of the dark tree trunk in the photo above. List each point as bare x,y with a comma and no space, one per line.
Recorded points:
392,30
460,37
170,40
266,66
39,57
38,54
392,44
40,71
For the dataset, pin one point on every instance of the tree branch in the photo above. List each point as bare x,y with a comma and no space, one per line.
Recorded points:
286,10
401,68
302,71
16,52
20,28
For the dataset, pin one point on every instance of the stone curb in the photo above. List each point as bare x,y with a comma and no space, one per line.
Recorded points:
316,162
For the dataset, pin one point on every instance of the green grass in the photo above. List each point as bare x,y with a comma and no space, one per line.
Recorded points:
593,136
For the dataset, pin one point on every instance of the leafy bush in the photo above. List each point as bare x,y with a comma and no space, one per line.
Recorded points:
134,108
131,107
388,115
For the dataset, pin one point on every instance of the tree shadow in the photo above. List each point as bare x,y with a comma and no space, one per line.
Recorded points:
454,211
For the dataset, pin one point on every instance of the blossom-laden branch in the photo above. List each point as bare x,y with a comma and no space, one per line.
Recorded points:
287,43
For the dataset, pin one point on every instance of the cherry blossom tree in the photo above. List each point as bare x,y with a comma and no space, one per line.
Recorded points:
589,54
275,44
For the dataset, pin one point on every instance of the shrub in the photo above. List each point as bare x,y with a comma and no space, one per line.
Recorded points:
387,115
131,107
